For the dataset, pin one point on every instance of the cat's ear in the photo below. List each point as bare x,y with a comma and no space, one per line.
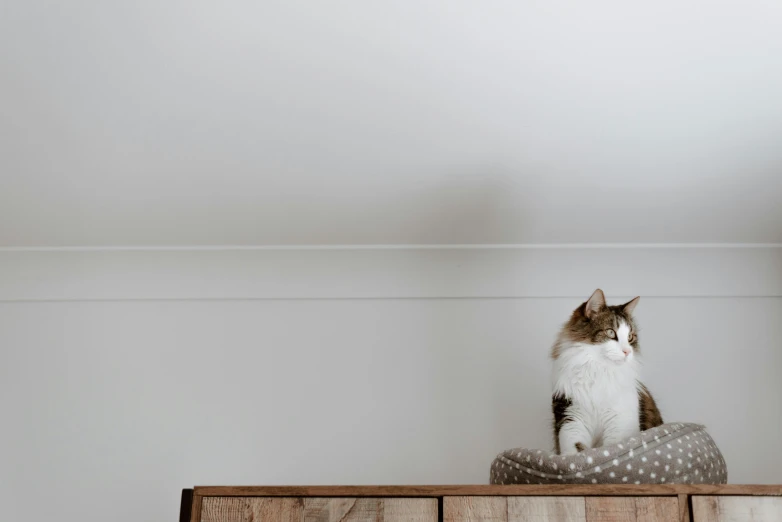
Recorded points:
629,306
595,303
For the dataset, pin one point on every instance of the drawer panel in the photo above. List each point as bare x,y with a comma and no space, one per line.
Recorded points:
638,509
314,509
469,509
736,509
561,509
247,509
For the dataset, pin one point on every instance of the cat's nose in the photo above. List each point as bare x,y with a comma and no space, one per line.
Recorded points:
627,351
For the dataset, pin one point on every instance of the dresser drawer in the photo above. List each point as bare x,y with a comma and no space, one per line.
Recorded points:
736,509
317,509
561,509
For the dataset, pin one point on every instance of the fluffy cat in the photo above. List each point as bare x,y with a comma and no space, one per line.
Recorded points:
597,397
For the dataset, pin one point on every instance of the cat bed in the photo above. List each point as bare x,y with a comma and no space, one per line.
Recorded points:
674,453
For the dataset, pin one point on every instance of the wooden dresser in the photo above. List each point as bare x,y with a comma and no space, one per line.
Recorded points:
593,503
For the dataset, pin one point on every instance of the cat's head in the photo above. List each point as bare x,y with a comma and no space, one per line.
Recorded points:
606,332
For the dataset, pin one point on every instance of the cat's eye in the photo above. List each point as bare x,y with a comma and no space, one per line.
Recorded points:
631,337
611,333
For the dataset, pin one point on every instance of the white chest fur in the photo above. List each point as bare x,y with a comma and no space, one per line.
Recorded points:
604,396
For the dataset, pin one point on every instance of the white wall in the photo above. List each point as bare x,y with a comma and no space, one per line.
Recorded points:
351,122
138,373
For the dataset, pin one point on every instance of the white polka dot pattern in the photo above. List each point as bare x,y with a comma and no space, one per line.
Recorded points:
702,463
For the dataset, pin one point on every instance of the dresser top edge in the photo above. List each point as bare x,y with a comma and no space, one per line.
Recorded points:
489,490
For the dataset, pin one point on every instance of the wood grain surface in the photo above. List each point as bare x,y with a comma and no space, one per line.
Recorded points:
243,509
475,509
736,509
632,509
684,508
543,509
318,509
560,509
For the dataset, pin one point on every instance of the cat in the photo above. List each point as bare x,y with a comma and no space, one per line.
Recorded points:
598,399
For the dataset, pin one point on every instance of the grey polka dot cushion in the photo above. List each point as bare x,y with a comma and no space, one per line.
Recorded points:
673,453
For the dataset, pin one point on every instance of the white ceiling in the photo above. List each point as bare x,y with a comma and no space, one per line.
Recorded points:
292,122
